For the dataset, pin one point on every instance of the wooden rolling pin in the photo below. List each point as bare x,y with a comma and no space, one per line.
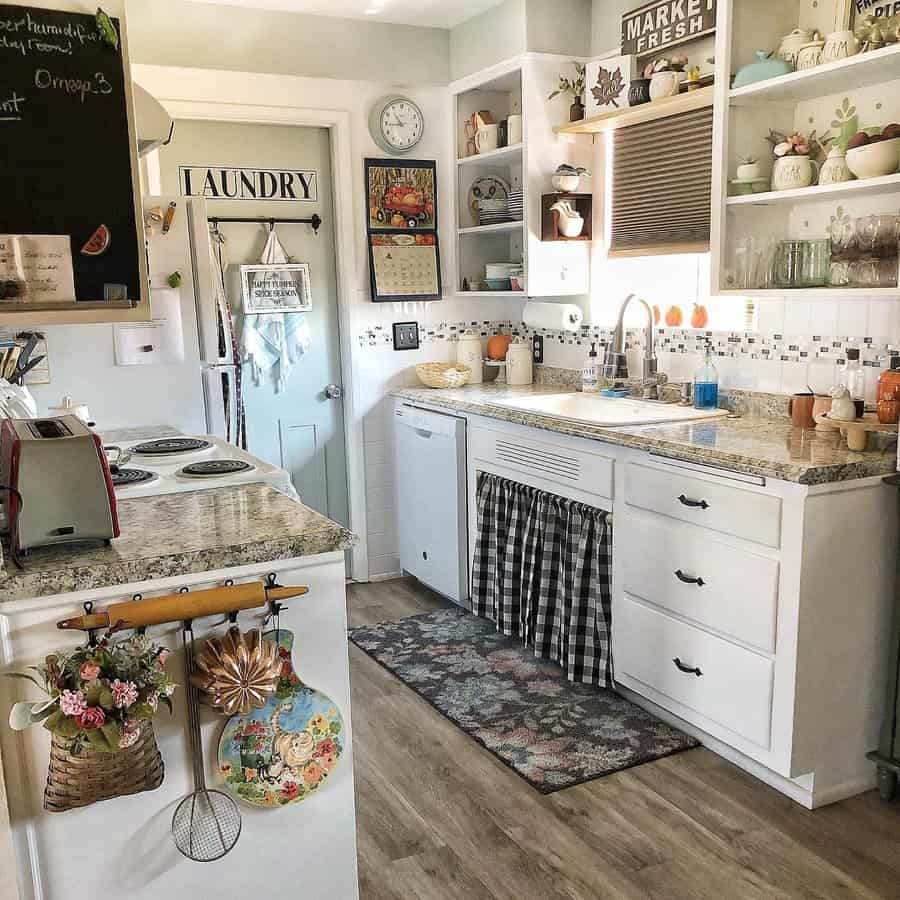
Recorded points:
179,607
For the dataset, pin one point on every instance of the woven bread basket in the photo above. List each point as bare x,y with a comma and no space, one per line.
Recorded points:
79,780
443,375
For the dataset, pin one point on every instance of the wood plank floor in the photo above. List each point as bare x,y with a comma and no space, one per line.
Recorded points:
439,817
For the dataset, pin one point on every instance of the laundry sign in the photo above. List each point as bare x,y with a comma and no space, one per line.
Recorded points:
228,183
657,26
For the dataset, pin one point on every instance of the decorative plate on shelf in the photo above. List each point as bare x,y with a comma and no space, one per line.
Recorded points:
486,187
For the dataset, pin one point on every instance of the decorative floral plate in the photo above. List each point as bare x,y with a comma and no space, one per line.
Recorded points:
486,187
284,752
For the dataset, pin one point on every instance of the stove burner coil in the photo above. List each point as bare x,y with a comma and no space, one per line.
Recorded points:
170,446
127,477
215,467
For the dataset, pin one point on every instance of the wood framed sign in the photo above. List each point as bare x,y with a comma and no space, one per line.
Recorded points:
276,288
655,27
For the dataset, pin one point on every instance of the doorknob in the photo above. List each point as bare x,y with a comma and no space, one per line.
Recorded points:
334,391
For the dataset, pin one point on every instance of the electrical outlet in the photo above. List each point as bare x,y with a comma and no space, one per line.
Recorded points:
537,349
406,335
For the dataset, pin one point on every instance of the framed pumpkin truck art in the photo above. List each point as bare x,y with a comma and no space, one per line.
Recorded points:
402,195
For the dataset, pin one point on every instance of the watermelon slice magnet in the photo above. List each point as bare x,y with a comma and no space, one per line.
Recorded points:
98,243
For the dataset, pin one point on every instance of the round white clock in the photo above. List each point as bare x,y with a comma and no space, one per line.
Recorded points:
396,124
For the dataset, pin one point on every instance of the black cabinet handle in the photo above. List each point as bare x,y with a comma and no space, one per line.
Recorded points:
686,579
686,669
698,504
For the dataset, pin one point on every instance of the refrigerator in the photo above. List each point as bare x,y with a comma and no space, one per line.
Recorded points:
211,341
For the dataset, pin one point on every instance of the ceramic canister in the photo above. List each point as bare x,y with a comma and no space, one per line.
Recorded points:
665,84
639,91
519,363
790,172
835,169
839,45
470,352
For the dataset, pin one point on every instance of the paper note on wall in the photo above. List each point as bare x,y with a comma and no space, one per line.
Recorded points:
36,268
157,342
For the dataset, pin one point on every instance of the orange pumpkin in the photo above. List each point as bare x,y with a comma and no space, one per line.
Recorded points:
656,314
674,317
498,345
397,221
700,317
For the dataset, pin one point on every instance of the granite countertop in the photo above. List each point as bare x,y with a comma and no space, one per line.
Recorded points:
770,447
181,534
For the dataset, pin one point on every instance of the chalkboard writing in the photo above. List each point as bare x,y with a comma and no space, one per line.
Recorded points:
65,148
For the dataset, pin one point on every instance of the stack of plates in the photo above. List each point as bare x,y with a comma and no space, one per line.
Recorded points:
515,204
497,275
490,212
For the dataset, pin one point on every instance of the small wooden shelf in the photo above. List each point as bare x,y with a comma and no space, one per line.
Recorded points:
584,205
496,228
820,293
861,187
841,76
500,155
646,112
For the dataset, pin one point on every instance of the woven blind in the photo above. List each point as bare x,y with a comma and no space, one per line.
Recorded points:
662,179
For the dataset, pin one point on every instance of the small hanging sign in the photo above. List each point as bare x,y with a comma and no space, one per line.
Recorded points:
656,26
276,288
228,183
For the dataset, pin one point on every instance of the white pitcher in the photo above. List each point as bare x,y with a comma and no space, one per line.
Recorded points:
791,172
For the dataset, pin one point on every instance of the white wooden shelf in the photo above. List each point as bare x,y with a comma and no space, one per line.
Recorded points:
886,183
500,155
821,293
646,112
842,76
520,294
496,228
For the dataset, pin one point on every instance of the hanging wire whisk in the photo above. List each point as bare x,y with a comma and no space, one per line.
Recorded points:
206,824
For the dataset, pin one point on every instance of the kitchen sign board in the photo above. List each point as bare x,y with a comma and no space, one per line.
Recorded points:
69,158
655,27
229,183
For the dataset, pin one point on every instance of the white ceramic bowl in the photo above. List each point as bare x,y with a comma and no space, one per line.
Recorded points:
875,160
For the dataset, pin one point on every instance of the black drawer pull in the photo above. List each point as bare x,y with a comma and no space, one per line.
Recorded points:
686,579
686,669
698,504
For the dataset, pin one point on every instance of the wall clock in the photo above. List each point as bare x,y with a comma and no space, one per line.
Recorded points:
396,124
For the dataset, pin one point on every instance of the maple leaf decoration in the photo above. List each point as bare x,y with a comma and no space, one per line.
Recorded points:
610,85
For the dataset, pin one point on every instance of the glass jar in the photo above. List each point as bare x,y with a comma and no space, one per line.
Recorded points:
816,261
789,264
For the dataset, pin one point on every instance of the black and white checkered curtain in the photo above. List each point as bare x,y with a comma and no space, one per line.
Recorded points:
542,572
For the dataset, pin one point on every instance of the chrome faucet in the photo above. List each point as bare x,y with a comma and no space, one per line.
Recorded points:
614,364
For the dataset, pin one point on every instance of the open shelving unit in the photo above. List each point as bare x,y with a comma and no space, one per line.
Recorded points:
867,85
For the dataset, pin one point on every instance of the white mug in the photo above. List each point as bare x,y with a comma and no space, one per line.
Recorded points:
486,138
514,130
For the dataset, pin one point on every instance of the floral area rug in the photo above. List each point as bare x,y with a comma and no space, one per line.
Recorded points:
553,733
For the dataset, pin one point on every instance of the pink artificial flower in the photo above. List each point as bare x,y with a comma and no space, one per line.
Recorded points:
72,703
124,693
90,718
163,656
89,670
153,700
131,731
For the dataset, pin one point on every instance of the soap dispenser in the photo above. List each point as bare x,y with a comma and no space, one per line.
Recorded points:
706,382
590,374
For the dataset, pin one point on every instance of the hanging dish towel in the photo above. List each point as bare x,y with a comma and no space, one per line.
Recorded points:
273,342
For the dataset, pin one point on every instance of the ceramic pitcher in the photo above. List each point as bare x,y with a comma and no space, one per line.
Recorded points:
793,172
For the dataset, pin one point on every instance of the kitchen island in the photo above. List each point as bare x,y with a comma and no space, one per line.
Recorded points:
124,846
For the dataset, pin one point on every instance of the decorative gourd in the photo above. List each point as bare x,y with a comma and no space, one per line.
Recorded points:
674,317
700,317
498,345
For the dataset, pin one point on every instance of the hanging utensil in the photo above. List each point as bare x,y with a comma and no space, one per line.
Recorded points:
206,824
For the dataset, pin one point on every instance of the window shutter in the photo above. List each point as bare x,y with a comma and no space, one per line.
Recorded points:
661,185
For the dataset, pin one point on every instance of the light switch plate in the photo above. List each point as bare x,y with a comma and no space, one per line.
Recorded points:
406,335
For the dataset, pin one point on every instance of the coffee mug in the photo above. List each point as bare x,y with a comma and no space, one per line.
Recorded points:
800,407
514,130
486,138
821,405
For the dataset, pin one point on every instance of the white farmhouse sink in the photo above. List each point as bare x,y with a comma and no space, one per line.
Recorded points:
609,412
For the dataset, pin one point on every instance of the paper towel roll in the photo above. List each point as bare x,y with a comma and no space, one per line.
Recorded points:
555,316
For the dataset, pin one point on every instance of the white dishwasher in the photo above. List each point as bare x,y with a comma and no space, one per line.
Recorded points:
431,491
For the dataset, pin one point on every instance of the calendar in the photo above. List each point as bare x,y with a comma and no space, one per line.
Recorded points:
404,267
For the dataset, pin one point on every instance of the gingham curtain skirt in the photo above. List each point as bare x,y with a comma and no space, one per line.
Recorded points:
542,573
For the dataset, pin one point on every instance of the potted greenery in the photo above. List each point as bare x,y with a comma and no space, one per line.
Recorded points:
575,87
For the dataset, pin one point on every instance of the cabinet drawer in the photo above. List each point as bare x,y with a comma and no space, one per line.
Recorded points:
722,507
710,582
734,689
559,463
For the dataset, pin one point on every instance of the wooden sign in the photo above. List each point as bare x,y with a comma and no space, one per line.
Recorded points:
276,288
878,8
229,183
654,27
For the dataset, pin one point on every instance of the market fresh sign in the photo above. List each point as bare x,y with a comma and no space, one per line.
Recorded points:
223,183
877,8
656,26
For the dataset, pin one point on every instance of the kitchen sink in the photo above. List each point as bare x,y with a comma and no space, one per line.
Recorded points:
609,412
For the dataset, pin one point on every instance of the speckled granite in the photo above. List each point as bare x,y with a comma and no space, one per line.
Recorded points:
180,534
757,446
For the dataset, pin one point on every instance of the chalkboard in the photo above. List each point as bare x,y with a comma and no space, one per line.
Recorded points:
66,153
